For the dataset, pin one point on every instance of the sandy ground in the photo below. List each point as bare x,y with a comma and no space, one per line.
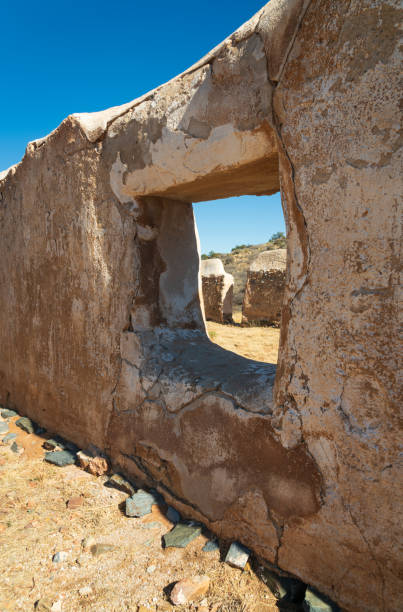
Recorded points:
258,343
35,523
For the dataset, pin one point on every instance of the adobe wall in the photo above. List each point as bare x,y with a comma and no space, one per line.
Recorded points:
265,286
101,326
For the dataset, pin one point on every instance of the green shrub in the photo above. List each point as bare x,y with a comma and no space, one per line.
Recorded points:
276,236
239,247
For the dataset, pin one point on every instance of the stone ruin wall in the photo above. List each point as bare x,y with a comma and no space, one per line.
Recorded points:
101,327
217,290
265,286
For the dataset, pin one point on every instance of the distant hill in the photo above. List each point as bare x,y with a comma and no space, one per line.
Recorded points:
239,259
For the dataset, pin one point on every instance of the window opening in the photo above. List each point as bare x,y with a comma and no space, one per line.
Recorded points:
242,239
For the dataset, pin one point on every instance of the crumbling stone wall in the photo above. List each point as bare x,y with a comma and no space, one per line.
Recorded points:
218,290
101,327
265,285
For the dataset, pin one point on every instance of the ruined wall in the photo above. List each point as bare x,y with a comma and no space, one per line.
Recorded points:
101,327
218,289
336,112
265,285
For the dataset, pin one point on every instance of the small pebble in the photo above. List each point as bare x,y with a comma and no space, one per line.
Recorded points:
314,602
96,465
26,425
60,458
7,439
60,557
140,504
189,589
181,535
16,448
75,502
117,481
237,555
8,414
151,569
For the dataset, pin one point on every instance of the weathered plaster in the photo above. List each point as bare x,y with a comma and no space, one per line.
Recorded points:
102,328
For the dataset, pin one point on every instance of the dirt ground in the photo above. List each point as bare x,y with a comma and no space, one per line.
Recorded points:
258,343
35,523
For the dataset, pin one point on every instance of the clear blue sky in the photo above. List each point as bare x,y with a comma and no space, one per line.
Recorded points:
223,224
64,57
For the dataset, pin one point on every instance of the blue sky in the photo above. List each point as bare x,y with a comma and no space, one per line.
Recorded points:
223,224
64,57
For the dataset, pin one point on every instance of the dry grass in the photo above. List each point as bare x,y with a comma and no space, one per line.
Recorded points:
35,523
258,343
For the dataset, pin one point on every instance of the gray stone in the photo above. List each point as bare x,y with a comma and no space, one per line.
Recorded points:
6,413
8,438
315,602
26,425
3,427
16,448
211,546
181,535
60,557
237,555
116,481
173,515
140,503
60,458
